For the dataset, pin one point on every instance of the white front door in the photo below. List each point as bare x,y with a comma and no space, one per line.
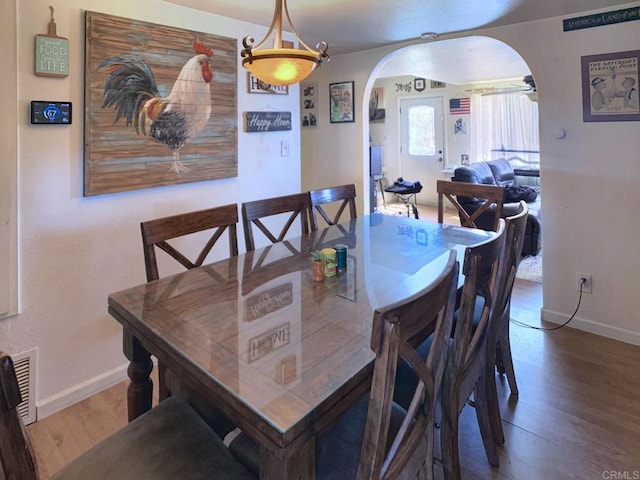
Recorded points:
422,144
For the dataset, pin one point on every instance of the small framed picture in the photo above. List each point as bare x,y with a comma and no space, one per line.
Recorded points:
437,84
309,105
341,104
610,87
419,84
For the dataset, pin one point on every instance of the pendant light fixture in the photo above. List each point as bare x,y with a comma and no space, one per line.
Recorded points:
278,65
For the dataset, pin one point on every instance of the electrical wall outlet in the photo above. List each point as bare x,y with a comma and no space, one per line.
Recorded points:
584,280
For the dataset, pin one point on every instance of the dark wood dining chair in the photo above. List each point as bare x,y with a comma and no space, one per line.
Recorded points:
498,342
491,199
466,369
377,438
293,206
335,199
170,441
157,233
345,194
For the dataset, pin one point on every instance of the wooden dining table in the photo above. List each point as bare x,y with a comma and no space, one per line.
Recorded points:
280,355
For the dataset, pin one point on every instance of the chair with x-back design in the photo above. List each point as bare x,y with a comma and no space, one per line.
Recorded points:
498,341
345,194
156,234
290,207
491,200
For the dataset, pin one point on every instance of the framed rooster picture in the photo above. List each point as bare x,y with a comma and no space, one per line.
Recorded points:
160,105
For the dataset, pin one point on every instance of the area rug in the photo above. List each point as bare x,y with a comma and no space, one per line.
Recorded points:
530,268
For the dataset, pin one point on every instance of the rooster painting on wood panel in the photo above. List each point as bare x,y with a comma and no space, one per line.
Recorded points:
131,89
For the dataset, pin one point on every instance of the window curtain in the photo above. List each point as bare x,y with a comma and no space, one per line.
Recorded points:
505,120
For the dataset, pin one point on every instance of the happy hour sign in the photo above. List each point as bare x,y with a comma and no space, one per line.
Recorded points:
267,121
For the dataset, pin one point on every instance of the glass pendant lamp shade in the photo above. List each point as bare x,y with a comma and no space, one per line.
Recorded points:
279,65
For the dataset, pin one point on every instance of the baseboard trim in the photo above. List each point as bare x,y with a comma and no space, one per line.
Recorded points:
609,331
66,398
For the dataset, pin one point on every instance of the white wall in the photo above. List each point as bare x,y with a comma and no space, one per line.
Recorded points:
589,178
74,251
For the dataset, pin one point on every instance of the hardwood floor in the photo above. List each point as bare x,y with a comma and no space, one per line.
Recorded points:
577,415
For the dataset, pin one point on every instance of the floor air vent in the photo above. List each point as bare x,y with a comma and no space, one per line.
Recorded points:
25,365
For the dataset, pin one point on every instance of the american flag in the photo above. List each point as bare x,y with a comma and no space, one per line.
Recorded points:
460,106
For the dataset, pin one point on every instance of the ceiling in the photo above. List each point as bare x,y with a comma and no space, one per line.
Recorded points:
356,25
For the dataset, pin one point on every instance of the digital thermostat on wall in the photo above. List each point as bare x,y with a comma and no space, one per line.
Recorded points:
52,113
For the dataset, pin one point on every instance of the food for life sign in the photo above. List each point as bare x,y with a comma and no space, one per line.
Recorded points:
52,56
267,121
52,53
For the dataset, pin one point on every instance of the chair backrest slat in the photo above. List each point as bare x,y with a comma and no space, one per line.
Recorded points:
156,233
480,269
510,258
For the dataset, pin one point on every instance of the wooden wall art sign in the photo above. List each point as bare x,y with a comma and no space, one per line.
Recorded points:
600,19
160,105
255,85
52,53
267,121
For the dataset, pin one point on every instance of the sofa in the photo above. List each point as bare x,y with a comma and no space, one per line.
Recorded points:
498,172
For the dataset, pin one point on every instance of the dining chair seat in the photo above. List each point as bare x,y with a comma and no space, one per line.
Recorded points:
336,457
168,442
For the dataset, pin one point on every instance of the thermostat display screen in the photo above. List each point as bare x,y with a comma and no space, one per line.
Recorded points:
51,112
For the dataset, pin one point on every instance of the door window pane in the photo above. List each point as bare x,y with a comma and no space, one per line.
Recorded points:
421,130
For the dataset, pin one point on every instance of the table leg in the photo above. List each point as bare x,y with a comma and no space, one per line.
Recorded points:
140,390
299,466
384,202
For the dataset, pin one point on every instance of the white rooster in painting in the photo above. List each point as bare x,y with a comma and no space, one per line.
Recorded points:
171,120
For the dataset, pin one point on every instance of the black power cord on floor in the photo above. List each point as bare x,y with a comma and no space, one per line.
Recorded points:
521,324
